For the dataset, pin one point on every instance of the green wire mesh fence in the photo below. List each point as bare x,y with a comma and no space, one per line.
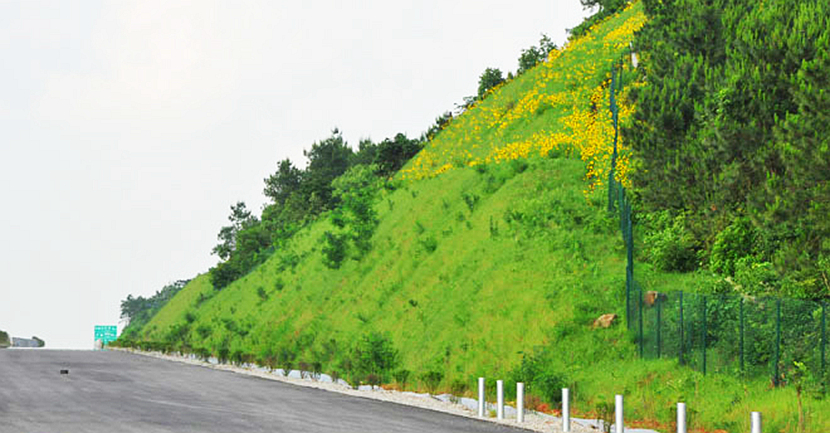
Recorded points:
748,336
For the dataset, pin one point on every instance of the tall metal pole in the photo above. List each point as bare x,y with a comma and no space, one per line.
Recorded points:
640,301
823,339
742,333
659,327
704,334
682,341
777,340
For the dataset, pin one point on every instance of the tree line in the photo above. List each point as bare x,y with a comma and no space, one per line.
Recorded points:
730,140
336,178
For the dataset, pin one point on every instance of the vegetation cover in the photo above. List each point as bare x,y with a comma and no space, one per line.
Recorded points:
731,139
484,247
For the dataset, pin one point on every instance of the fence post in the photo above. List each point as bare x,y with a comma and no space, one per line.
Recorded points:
742,333
659,327
500,399
566,410
640,302
823,341
618,415
520,402
703,297
777,339
682,341
756,422
481,397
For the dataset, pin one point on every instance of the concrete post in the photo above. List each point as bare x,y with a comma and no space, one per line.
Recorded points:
756,422
566,410
681,417
520,402
481,397
500,399
618,414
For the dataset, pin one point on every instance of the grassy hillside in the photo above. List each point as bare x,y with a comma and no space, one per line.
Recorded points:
493,256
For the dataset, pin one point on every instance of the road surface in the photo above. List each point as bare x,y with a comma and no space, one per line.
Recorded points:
120,392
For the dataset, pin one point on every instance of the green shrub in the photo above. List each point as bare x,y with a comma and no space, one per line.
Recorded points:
732,244
204,331
375,355
471,200
431,380
401,377
430,244
669,245
756,277
334,249
263,296
458,387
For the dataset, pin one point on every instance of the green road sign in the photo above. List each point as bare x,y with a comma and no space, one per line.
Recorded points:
106,333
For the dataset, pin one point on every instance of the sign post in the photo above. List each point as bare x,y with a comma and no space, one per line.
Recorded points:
105,334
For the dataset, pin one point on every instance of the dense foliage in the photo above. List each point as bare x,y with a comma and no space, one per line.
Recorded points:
534,55
139,310
299,196
489,79
731,131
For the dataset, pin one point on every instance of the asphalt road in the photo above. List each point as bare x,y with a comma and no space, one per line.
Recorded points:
120,392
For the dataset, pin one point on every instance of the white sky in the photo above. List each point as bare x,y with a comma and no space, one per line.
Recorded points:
128,128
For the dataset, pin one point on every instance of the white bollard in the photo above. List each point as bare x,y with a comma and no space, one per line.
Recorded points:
756,422
520,402
481,397
681,417
566,410
618,412
500,399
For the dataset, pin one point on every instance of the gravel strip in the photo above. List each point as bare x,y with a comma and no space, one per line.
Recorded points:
534,421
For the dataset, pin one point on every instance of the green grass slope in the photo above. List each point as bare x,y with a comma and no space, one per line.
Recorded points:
494,248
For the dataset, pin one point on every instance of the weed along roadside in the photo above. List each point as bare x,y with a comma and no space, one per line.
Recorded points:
447,403
609,419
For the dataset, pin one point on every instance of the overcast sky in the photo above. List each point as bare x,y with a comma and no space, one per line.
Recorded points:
128,128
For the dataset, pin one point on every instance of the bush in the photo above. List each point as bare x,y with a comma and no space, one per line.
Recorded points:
430,244
532,56
541,377
204,331
375,355
732,244
401,376
334,249
756,277
431,380
670,247
489,79
263,296
471,200
458,387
